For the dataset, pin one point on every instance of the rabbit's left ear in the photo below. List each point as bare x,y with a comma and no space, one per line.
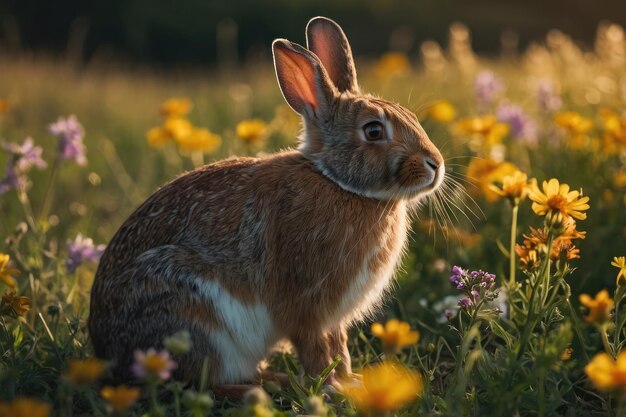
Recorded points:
326,39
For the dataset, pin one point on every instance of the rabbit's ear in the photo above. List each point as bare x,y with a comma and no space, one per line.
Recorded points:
325,39
302,78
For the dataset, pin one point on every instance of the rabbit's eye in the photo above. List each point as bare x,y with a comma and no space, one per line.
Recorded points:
374,131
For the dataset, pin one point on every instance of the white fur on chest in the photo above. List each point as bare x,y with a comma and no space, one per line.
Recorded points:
244,336
369,285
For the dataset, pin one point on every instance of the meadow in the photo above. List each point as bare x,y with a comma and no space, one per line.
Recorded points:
510,297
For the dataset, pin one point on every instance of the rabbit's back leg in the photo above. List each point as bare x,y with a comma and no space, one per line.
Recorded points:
171,288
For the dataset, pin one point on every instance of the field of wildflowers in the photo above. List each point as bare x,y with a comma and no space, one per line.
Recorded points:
535,145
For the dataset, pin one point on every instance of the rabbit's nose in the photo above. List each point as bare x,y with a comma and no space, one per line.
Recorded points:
430,163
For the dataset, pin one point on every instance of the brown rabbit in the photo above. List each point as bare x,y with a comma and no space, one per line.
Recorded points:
297,245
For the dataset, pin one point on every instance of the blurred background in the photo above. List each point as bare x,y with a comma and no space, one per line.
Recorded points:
171,33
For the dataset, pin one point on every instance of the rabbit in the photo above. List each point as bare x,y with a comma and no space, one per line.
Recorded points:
298,245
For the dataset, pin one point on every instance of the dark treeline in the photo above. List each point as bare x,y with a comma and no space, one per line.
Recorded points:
206,31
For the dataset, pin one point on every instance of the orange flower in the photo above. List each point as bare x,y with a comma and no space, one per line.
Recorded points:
599,307
441,111
19,305
606,373
395,334
120,398
484,172
252,131
514,187
25,407
85,371
385,387
176,107
557,198
621,264
7,274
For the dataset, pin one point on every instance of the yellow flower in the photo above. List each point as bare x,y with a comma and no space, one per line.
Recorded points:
157,137
19,305
7,274
557,198
573,123
614,126
85,371
4,106
599,307
484,172
441,111
25,407
619,178
606,373
621,264
252,130
176,107
385,387
514,187
177,128
392,64
486,129
567,354
395,334
200,140
120,398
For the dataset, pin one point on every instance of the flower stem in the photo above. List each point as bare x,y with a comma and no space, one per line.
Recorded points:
512,266
47,201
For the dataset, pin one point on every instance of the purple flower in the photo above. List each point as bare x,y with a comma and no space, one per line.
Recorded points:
70,133
82,250
487,86
522,126
547,98
448,313
457,271
23,158
153,363
475,293
465,302
26,155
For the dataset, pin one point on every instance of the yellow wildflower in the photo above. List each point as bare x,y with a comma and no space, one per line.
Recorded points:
25,407
441,111
120,398
486,129
557,198
606,373
4,106
176,107
200,140
573,122
85,371
392,64
177,128
19,305
395,334
599,307
7,274
614,126
251,131
619,178
484,172
514,187
385,387
567,354
157,137
621,264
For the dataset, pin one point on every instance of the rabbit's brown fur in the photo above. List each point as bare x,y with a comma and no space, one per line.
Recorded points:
297,245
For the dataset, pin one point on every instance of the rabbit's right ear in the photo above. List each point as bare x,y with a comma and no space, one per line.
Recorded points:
302,78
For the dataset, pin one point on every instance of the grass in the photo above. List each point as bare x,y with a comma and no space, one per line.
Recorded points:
476,362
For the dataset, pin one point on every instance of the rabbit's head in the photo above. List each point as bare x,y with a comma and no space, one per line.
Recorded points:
367,145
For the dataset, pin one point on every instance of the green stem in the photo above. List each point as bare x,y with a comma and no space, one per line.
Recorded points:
47,201
619,411
512,264
605,340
